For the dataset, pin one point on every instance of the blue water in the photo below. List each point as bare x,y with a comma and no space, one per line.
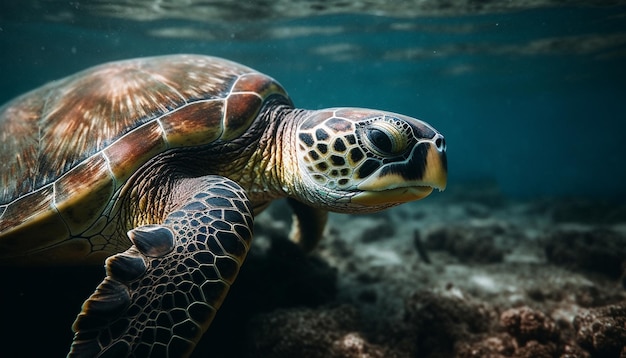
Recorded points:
533,99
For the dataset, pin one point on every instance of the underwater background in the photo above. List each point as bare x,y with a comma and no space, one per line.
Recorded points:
529,94
523,255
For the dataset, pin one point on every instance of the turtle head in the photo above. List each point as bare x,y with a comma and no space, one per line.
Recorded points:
362,160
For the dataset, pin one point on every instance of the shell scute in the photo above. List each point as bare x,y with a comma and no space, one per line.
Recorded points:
135,148
196,77
19,145
244,103
84,192
258,83
21,211
195,124
241,109
24,221
85,113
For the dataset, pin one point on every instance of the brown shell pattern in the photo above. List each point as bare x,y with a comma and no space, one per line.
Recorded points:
100,124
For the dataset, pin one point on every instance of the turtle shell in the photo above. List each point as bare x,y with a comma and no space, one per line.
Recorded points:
69,146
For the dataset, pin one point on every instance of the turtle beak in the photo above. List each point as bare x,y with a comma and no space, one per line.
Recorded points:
436,172
412,179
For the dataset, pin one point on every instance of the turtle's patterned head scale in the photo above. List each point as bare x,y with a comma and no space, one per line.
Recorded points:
367,160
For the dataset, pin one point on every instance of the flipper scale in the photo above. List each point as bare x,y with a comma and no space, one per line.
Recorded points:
160,295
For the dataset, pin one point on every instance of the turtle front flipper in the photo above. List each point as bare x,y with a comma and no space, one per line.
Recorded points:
160,295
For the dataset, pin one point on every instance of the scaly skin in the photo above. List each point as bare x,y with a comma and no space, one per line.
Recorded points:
160,295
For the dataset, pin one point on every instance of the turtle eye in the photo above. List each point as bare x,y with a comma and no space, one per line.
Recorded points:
385,138
380,139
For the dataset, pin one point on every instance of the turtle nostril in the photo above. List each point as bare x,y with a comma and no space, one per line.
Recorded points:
440,143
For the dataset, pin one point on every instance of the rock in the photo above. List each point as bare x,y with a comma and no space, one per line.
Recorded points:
602,330
326,332
534,349
525,325
596,250
438,322
468,243
497,345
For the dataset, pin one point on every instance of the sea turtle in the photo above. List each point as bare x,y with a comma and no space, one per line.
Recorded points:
158,165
